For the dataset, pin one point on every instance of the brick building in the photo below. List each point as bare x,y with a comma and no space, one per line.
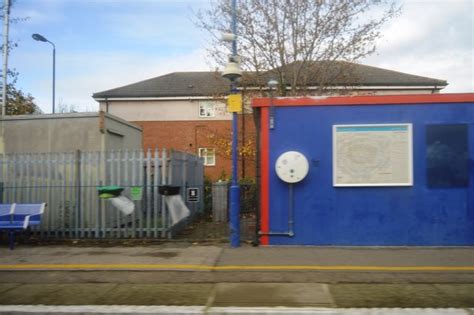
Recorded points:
186,110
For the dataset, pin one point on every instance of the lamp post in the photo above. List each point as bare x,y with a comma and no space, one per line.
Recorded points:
233,72
41,38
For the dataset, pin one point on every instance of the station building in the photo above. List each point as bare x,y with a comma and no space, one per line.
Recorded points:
366,170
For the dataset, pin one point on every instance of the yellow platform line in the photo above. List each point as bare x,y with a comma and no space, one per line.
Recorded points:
228,267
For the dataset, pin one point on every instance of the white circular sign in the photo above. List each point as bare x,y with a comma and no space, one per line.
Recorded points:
292,167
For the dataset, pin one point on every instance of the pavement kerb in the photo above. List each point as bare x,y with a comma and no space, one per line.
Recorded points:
186,310
189,267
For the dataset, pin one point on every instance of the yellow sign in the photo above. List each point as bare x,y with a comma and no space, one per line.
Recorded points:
234,103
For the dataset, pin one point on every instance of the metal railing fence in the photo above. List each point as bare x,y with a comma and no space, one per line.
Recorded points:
68,183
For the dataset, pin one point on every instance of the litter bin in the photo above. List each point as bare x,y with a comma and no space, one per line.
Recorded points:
175,204
107,192
114,194
168,190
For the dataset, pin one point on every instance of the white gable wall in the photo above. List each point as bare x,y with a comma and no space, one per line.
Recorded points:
162,110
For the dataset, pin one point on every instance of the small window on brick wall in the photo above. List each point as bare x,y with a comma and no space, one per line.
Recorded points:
209,156
207,109
447,155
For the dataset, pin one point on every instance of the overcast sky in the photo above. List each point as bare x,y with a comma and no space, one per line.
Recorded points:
103,44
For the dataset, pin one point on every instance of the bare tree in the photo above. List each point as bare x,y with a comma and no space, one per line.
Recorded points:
66,108
298,42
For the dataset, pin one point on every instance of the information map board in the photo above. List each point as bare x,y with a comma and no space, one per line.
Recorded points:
372,155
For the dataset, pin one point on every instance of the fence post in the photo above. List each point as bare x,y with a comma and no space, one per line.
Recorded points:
141,182
98,182
72,202
164,164
148,192
184,178
132,183
77,176
156,181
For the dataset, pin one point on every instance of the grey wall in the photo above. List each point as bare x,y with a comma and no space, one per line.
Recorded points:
121,134
69,132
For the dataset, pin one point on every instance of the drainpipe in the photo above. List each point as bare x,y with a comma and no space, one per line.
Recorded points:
290,231
103,131
256,117
243,133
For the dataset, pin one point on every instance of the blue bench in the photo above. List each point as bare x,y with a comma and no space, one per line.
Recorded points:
18,217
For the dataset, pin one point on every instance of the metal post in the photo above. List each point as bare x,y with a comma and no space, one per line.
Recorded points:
54,75
234,188
6,23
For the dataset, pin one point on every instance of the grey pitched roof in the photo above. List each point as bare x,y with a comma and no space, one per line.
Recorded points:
171,85
180,84
342,73
372,76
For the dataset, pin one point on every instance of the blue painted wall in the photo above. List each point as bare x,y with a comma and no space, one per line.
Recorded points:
327,215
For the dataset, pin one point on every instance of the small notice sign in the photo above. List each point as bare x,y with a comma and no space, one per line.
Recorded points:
136,193
234,103
192,195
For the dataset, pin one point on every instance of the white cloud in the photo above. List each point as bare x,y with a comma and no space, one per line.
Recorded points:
433,39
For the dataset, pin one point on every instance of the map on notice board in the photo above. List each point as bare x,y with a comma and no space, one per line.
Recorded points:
372,155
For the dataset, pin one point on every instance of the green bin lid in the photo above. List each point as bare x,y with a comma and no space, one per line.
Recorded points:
114,190
106,196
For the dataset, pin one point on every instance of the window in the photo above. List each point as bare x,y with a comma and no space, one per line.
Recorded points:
447,157
209,156
207,109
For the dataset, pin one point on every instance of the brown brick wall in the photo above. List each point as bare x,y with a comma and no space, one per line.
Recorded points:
188,136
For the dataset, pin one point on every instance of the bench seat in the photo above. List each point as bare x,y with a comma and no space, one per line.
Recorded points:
17,217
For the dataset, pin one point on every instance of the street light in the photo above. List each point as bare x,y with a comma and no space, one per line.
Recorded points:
232,72
41,38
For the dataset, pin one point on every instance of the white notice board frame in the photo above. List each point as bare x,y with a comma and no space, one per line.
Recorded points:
402,132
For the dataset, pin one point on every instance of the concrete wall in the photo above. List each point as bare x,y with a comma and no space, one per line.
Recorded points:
120,134
69,132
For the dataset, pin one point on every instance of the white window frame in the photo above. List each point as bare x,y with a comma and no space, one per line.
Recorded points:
204,153
207,109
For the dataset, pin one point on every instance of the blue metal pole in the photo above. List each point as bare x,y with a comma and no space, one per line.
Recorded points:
234,191
234,188
234,27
